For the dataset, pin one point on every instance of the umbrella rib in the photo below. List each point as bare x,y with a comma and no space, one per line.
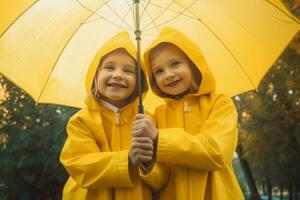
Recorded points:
165,9
44,86
292,18
118,16
133,13
219,39
179,14
117,25
133,17
92,11
172,10
100,17
120,26
236,60
18,17
153,21
145,9
134,21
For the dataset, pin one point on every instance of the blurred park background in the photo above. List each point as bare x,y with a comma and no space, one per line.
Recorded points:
267,159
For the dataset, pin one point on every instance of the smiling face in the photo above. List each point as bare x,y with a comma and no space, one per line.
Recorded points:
117,77
171,70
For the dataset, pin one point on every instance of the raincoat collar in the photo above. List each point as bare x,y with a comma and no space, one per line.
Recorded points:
192,50
110,106
93,104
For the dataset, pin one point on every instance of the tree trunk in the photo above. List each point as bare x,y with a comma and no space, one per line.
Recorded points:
248,174
264,189
269,188
296,191
290,191
281,192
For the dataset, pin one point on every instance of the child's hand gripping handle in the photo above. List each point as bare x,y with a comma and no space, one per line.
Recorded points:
144,139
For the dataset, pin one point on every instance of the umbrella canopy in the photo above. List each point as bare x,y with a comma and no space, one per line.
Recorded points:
47,45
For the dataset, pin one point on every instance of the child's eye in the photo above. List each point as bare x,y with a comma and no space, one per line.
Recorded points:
175,64
108,67
158,72
129,71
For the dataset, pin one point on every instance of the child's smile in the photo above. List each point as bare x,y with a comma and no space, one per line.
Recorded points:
117,77
172,83
171,70
116,85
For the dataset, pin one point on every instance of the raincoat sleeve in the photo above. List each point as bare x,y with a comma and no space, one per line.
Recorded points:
90,167
211,148
158,175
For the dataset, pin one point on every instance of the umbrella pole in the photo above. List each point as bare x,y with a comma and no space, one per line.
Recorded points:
137,33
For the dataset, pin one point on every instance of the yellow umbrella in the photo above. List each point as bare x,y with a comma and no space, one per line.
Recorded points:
46,45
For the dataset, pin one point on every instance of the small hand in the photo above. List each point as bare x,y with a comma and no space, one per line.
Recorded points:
141,150
143,126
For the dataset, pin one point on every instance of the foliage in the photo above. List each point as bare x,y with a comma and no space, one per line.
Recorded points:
31,136
269,122
31,139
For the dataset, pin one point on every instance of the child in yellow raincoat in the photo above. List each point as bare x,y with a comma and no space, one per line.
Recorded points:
100,154
197,128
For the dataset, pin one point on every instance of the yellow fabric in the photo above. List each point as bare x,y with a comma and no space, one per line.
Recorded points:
11,11
197,143
283,8
118,41
46,51
95,153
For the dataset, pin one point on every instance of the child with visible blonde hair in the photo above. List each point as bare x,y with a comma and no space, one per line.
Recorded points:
196,132
100,154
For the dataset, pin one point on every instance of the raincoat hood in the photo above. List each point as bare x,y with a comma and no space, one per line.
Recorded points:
192,51
120,40
95,153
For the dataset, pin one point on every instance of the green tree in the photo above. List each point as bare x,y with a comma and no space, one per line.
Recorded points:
31,140
270,123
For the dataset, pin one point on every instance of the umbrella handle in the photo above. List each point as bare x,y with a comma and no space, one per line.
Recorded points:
141,109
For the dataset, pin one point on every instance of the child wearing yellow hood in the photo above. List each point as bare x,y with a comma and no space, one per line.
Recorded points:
100,154
197,128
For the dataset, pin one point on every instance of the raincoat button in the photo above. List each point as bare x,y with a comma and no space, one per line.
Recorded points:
186,107
117,118
125,121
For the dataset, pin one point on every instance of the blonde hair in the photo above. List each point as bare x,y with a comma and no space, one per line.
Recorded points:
95,90
196,81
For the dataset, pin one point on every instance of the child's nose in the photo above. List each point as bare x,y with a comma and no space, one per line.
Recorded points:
169,74
117,75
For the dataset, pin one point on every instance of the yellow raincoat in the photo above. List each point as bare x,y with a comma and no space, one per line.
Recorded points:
197,136
95,153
